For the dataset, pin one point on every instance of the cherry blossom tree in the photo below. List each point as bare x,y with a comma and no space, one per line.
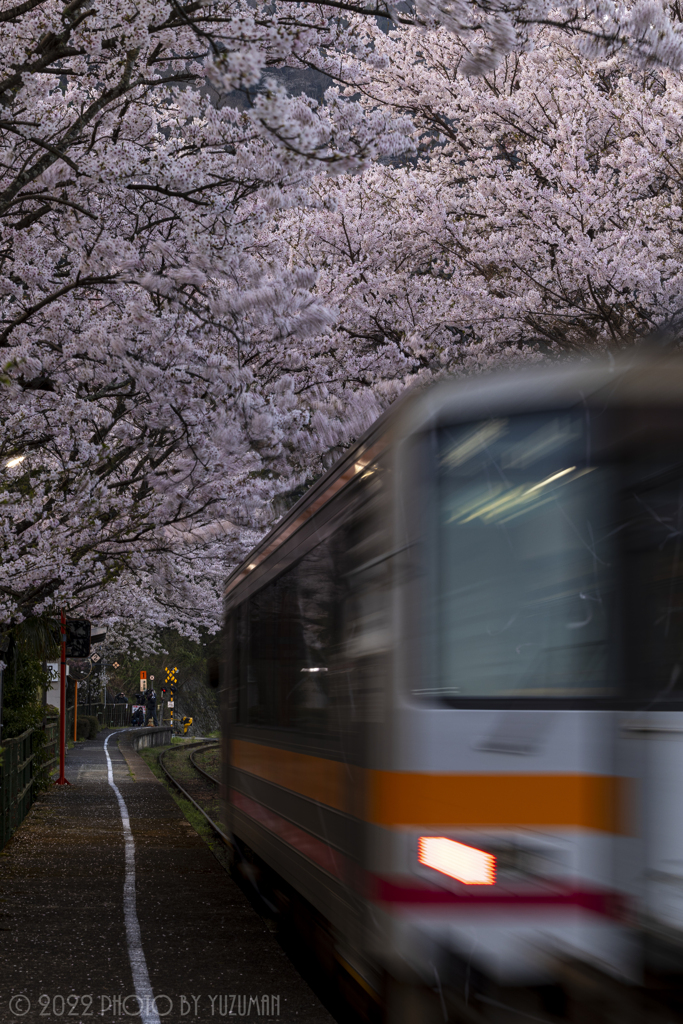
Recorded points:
170,366
541,212
154,390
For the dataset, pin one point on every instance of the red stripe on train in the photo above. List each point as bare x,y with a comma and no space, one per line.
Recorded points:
322,854
413,892
409,893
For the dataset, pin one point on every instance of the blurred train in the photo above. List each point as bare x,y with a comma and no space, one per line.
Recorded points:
454,700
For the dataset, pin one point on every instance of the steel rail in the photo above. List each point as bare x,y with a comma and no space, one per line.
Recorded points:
211,778
187,796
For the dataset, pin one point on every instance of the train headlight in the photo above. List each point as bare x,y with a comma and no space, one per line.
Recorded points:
464,863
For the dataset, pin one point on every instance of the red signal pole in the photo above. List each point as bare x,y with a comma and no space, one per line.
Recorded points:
62,781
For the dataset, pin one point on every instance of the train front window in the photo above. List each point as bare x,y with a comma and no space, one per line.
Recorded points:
524,561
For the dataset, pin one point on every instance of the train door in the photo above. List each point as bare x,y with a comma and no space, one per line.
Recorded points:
651,733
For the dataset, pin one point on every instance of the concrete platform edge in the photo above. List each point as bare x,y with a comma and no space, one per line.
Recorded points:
129,743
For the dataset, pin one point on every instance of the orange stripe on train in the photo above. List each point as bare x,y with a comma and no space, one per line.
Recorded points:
315,777
431,799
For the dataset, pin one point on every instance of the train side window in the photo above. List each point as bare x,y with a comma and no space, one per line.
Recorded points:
293,637
303,643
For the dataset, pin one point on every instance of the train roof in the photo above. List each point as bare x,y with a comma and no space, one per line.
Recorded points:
640,376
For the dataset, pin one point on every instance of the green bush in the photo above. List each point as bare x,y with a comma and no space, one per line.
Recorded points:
87,727
83,728
94,726
25,677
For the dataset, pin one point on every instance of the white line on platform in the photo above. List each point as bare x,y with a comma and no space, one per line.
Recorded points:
138,964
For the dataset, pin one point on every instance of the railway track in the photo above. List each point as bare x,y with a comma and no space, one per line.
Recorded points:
202,791
308,947
199,750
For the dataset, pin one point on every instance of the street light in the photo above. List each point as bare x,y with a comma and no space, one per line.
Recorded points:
11,463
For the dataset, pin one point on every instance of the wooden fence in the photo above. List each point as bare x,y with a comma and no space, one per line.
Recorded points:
16,782
110,715
24,760
50,750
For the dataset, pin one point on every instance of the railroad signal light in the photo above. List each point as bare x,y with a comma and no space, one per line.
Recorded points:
77,638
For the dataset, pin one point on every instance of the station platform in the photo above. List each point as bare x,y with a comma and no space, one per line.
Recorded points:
113,909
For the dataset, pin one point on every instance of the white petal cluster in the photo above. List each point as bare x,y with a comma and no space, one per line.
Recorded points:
208,286
541,212
156,374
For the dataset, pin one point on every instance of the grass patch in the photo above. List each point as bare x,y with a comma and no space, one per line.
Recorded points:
210,761
201,826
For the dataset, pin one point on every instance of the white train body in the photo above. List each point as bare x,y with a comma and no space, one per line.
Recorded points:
471,630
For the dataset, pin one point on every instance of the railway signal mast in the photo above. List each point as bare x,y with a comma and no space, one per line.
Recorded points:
170,680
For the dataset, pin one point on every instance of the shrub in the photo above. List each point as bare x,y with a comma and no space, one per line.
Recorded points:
23,682
87,727
94,726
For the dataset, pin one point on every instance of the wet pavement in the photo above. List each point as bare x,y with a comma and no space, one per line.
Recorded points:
65,943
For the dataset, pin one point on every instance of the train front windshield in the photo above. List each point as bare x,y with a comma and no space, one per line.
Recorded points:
558,561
